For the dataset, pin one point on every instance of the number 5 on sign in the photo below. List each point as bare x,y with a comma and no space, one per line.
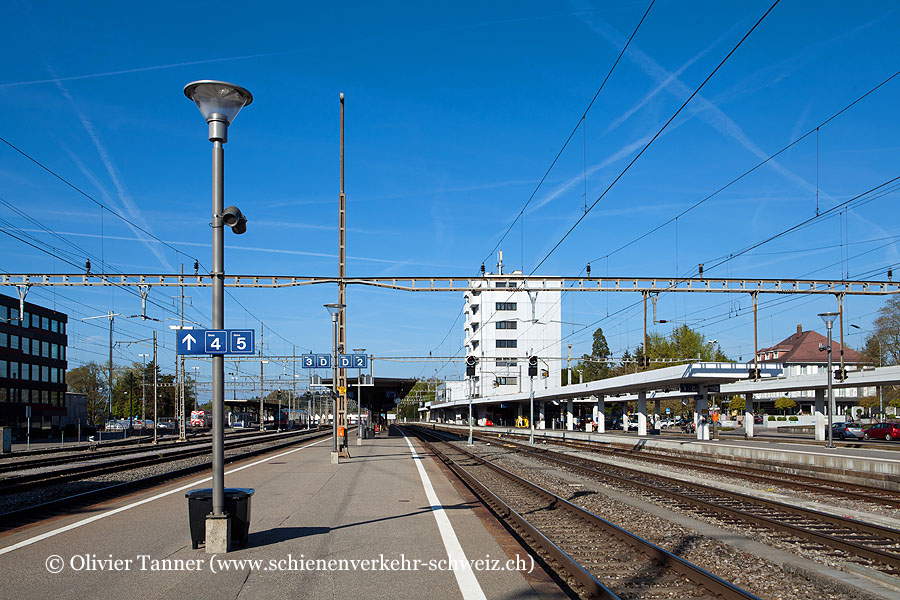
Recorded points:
241,341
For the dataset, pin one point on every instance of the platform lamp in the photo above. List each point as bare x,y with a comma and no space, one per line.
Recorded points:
333,309
219,102
829,318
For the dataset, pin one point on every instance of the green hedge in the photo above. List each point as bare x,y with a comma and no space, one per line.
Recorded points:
793,418
771,418
782,418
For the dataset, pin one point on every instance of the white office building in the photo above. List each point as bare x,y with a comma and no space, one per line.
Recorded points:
505,323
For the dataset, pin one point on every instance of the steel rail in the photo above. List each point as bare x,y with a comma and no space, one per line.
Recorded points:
69,504
715,585
791,480
888,558
19,483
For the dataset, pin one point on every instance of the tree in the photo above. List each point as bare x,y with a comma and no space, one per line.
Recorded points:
869,402
886,327
784,404
90,380
596,366
682,344
737,403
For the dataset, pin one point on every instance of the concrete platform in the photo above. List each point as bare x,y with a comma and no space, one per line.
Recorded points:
398,517
868,463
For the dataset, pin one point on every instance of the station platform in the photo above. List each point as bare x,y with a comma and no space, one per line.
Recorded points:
380,524
868,463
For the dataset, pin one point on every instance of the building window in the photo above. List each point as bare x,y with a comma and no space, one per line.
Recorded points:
474,309
506,363
54,350
45,349
506,306
474,327
506,324
507,343
474,344
500,284
507,380
4,340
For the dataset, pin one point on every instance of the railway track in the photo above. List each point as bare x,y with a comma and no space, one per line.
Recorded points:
874,546
796,481
595,557
87,455
75,502
91,466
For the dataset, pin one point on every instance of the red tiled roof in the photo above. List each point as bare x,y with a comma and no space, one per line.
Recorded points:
803,347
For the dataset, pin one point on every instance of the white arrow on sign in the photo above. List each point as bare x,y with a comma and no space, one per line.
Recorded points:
188,340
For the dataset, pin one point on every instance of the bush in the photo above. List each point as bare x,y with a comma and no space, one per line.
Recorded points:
782,418
793,418
771,418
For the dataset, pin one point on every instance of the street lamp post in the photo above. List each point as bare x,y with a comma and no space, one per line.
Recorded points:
880,364
219,103
334,309
359,425
829,321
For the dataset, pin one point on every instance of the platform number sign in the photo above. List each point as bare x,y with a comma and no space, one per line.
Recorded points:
352,361
315,361
214,341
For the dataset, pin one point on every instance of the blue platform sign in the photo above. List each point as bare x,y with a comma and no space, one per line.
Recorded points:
352,361
214,341
315,361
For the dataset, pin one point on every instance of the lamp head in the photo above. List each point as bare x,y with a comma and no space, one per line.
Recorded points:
829,318
219,103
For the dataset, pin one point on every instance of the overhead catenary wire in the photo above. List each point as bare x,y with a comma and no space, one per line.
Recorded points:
571,135
653,139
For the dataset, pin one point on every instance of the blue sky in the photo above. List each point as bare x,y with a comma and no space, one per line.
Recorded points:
453,114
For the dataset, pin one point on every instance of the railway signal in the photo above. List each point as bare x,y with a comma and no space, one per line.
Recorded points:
532,366
470,365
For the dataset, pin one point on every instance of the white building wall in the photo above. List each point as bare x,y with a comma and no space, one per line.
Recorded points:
504,326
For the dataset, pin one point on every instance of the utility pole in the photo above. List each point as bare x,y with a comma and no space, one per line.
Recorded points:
155,391
262,421
294,381
341,411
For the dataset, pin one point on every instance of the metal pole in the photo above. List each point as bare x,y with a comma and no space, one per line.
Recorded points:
334,375
111,318
130,398
155,391
218,322
341,340
531,410
830,394
261,408
294,382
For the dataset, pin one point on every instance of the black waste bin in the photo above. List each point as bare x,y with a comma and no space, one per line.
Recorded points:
237,504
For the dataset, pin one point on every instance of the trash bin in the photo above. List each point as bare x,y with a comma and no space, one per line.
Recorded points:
237,504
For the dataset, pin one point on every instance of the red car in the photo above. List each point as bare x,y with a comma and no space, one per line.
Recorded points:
882,431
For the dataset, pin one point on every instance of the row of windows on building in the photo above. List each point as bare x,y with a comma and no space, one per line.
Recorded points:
32,346
507,343
497,306
499,325
28,372
53,398
11,315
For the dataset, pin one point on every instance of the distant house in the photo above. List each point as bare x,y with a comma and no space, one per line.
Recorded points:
800,355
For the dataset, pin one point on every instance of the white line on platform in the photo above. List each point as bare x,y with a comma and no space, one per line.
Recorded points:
114,511
465,577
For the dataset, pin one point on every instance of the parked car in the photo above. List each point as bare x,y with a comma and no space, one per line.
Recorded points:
843,431
665,423
882,431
